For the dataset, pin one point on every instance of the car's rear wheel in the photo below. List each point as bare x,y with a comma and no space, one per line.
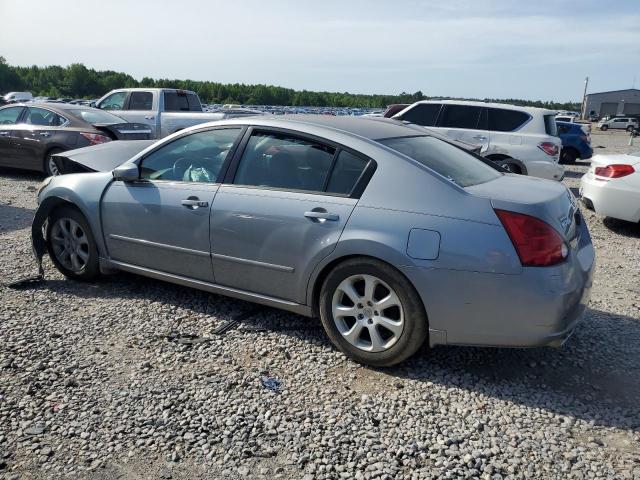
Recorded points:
568,156
71,244
630,128
604,128
372,313
50,168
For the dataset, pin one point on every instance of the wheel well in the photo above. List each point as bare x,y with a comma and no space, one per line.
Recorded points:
497,156
315,299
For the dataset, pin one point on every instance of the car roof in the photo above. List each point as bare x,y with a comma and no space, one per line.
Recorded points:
506,106
373,128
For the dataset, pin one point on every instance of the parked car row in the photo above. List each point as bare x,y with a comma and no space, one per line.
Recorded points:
372,224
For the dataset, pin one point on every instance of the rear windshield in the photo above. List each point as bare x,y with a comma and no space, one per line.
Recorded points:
96,116
451,162
181,102
550,125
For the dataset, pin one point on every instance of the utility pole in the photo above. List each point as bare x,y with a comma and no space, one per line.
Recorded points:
583,112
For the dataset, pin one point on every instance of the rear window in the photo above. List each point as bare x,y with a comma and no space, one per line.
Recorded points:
181,102
451,162
96,116
550,125
503,120
424,114
141,101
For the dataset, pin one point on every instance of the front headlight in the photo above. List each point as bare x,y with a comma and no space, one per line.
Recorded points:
42,186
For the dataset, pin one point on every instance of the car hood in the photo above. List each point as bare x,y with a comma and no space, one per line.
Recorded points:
99,158
547,200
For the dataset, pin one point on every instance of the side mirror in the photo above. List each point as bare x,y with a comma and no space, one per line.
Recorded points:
127,172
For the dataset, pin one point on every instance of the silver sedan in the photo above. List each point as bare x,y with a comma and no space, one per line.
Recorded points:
391,235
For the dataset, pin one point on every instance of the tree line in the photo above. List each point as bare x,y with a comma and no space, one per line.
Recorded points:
78,81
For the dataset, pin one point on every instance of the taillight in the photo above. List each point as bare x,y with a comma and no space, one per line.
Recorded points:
549,148
614,171
537,243
95,138
585,138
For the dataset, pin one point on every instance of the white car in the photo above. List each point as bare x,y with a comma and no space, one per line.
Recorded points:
624,123
522,139
14,97
611,187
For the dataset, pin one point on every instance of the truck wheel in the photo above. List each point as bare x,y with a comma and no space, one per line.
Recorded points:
568,156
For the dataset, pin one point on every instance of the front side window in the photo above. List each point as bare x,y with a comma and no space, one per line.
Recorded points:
285,162
141,101
503,120
114,101
193,158
9,116
451,162
460,116
44,118
424,114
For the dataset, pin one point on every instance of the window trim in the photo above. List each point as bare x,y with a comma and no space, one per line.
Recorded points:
225,165
356,191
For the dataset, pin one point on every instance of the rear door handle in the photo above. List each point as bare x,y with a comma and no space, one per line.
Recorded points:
322,216
45,134
480,137
194,203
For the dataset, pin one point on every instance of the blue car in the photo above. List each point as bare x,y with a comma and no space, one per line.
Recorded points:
575,142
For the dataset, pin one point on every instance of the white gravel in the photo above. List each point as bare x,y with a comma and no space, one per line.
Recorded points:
125,379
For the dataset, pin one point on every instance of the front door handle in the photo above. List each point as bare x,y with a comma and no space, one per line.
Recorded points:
480,137
149,117
194,202
45,134
321,216
4,134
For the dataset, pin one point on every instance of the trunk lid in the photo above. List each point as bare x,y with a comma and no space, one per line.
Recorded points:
546,200
126,131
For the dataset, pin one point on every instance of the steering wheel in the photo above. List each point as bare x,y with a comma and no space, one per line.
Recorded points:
181,165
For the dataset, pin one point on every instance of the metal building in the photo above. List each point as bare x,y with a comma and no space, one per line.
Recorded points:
615,102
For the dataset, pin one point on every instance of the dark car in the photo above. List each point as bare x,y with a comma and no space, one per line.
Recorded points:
30,134
576,144
393,109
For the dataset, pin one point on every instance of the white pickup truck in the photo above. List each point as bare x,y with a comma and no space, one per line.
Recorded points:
165,110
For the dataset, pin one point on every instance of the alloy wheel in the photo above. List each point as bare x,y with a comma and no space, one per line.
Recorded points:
70,244
368,313
53,168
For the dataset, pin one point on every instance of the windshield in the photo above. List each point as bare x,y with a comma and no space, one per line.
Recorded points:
451,162
96,116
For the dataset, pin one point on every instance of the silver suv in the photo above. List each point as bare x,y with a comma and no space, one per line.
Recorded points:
522,139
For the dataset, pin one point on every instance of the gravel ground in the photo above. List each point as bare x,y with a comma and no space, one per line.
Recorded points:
125,379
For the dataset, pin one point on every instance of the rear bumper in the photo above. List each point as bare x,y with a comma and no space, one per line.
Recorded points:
538,307
611,198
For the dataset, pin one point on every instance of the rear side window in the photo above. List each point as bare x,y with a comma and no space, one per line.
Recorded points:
44,118
460,116
346,173
181,102
451,162
9,116
284,162
550,125
141,101
502,120
424,114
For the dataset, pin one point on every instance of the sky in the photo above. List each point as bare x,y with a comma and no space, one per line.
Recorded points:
531,49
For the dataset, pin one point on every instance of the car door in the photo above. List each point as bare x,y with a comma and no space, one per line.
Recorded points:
39,130
141,109
9,117
282,208
161,221
462,122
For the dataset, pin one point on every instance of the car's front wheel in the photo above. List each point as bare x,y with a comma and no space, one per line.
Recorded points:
630,128
372,313
71,244
50,168
604,128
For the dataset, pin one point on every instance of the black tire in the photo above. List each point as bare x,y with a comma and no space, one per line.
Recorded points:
630,128
91,267
415,320
604,128
46,167
568,156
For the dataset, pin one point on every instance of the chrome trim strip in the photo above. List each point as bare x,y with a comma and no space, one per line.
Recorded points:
149,243
214,288
133,131
255,263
